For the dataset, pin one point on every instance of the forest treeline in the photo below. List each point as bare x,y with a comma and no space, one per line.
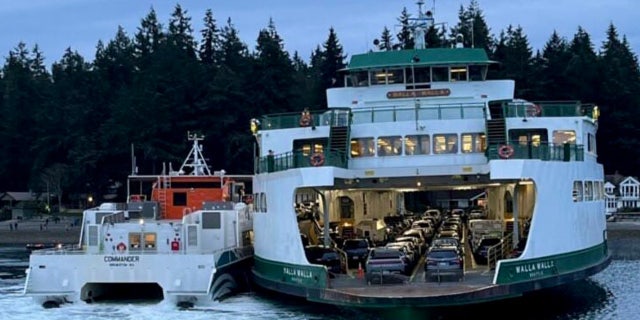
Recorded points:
71,128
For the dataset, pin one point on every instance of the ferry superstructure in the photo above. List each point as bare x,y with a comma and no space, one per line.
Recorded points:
426,125
184,237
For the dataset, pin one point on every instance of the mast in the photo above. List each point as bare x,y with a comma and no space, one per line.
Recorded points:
195,160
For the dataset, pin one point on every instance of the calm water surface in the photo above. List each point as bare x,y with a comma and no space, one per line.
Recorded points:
612,294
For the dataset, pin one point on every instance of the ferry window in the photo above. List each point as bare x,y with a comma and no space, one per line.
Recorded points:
473,142
378,77
362,147
577,191
445,143
135,240
477,73
359,79
414,145
561,137
149,240
422,75
395,76
263,199
179,198
389,146
459,73
211,220
591,143
588,190
440,74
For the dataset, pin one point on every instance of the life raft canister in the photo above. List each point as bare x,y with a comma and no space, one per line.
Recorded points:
316,159
505,151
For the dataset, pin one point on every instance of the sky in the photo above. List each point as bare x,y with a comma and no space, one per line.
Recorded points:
55,25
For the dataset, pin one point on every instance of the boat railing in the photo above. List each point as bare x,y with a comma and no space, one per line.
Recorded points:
545,151
499,251
526,109
300,159
376,114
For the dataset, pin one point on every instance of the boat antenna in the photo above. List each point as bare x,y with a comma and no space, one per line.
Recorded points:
195,160
420,25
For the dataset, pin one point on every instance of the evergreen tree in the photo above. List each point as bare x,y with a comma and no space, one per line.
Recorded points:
555,56
180,33
331,60
405,36
582,69
210,43
473,27
386,40
620,86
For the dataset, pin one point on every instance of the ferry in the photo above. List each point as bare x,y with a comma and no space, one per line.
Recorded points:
184,237
422,134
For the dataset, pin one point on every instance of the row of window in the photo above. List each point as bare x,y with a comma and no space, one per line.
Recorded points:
142,240
417,75
588,191
418,144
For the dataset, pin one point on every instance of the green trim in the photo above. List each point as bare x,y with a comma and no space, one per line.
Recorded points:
550,266
307,276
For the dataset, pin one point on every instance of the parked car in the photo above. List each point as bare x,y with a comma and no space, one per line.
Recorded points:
481,250
448,242
386,263
418,234
329,257
409,250
443,262
357,251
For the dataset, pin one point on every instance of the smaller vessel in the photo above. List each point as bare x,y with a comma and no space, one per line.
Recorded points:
188,239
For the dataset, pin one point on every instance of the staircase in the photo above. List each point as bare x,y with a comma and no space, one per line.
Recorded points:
339,142
496,131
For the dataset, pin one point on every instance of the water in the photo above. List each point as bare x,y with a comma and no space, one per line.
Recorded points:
611,294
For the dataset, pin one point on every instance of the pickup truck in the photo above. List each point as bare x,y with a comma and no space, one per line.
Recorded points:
386,263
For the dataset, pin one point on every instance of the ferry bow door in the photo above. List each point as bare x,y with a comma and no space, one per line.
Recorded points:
529,143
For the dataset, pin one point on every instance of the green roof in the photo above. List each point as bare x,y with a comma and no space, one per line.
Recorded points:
426,57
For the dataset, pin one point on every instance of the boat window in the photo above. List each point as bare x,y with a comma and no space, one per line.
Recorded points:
359,79
458,73
440,74
445,143
179,198
418,144
591,143
150,241
588,190
395,76
422,74
473,142
135,240
477,73
389,146
362,147
378,76
561,137
211,220
263,201
577,191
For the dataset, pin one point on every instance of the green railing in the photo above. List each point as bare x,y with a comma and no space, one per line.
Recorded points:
342,116
549,109
298,159
541,151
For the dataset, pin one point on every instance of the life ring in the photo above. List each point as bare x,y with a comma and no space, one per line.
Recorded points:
121,247
533,110
316,159
186,211
305,119
505,151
